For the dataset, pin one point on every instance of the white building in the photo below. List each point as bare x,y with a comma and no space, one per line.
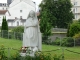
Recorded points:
2,13
3,9
76,8
18,11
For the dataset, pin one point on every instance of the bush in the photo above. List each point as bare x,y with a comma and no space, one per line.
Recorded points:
77,39
19,29
56,42
18,32
46,40
2,53
69,42
4,34
37,56
74,29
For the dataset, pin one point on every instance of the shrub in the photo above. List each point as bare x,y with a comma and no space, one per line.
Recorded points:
56,42
77,35
46,40
77,39
2,53
19,29
74,29
18,32
69,42
37,56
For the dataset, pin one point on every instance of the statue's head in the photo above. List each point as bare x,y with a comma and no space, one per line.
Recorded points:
32,14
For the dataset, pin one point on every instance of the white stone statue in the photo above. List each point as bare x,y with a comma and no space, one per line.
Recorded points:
32,35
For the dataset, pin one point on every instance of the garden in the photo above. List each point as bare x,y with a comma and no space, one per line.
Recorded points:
10,49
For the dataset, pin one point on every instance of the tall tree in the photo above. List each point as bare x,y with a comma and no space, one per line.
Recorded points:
4,24
4,28
58,11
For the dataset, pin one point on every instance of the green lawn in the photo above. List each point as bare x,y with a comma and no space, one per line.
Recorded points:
12,43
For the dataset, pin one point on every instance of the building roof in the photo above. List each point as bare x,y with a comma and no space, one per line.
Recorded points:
3,11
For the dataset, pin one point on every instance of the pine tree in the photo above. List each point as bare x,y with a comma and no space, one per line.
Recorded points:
4,28
4,24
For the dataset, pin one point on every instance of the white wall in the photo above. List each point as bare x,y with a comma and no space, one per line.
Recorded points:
3,8
15,23
15,10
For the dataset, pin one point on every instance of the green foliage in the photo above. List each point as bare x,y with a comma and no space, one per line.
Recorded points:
4,24
74,29
18,32
68,30
2,53
45,26
18,29
69,42
16,56
4,28
77,39
56,42
77,35
58,13
79,20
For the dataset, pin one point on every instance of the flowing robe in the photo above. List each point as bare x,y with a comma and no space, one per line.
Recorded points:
31,35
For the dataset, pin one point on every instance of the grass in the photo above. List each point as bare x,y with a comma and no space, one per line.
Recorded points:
12,43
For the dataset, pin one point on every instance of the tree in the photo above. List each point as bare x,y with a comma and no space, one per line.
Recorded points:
4,28
59,12
45,26
4,24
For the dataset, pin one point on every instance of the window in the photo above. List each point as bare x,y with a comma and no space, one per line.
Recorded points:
17,23
3,8
20,17
15,17
11,23
3,4
75,16
23,23
20,11
75,3
6,8
75,10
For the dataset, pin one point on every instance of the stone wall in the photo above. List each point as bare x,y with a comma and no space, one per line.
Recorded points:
58,33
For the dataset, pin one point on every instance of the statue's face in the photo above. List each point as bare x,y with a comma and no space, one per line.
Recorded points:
32,13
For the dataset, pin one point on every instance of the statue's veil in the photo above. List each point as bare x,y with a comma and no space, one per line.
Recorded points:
35,16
